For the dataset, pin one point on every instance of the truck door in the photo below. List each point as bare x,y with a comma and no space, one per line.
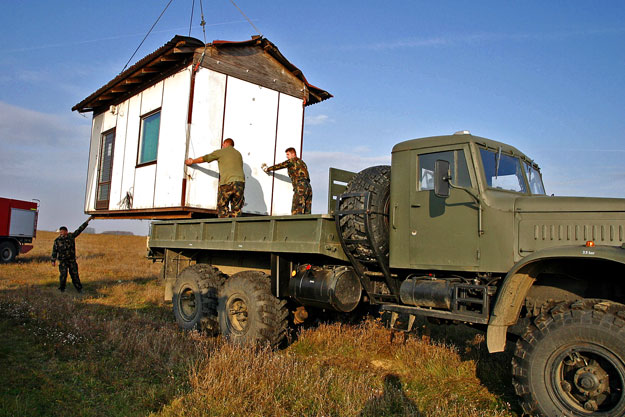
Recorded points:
443,231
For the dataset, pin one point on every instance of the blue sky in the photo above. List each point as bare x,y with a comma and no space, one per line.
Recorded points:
546,77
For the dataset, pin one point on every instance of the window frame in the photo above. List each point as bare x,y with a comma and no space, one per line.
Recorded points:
104,204
455,150
141,137
507,153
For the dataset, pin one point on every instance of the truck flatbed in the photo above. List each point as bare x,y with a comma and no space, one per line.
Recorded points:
309,234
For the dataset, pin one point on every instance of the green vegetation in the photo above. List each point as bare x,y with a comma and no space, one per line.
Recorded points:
115,350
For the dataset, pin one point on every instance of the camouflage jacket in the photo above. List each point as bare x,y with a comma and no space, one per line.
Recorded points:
64,247
298,171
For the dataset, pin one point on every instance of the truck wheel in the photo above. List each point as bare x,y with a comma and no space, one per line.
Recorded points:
377,181
571,361
8,252
248,312
195,297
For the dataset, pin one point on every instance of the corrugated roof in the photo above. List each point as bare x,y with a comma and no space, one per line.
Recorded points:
176,54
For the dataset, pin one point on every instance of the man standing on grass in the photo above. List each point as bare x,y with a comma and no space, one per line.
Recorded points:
231,178
64,249
298,173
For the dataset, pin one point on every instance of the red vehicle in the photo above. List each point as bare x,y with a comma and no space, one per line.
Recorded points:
18,227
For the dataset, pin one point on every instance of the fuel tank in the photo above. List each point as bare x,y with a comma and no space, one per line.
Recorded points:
427,292
335,288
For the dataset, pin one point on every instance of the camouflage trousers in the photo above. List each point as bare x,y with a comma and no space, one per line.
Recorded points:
302,197
230,199
72,267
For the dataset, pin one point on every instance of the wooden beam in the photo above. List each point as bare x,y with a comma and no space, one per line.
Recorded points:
119,89
148,70
132,81
184,50
104,97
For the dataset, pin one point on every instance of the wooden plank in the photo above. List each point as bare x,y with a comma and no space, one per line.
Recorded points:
253,65
184,50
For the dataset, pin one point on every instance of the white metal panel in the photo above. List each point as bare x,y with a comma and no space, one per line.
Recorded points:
22,222
152,98
250,120
109,121
172,140
289,136
206,128
92,170
131,148
144,187
118,156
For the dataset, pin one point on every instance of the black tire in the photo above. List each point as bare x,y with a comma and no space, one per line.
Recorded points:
8,252
376,180
195,298
248,313
571,361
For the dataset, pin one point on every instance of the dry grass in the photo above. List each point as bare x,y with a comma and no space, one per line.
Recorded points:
115,350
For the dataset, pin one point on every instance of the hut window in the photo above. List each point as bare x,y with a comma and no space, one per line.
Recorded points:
148,145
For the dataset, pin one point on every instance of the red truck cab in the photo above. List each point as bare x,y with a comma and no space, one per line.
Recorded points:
18,227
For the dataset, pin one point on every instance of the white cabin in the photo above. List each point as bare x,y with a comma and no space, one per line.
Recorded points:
182,101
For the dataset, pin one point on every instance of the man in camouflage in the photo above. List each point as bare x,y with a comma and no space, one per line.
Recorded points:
64,249
298,173
231,178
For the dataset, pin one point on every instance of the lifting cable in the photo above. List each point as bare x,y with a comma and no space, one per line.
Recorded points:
191,20
247,18
146,35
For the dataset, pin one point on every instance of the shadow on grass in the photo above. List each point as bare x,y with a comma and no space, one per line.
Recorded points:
26,259
393,401
32,259
494,370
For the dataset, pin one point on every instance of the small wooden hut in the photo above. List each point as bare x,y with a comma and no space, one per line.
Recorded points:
182,101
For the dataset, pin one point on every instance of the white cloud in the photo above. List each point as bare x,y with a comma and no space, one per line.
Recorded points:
319,119
473,38
24,128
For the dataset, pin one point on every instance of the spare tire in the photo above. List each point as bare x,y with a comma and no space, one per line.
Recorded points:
377,181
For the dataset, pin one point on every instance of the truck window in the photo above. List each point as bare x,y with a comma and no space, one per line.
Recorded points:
457,162
534,179
507,175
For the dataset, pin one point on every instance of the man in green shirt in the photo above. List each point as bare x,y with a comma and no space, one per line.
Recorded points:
231,178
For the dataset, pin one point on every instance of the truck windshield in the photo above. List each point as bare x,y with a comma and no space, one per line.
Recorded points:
535,180
505,175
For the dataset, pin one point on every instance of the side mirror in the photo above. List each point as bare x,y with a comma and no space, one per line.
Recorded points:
442,177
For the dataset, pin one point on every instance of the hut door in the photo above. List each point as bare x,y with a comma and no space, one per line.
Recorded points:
105,170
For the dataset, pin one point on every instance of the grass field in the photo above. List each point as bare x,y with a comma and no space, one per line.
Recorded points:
115,350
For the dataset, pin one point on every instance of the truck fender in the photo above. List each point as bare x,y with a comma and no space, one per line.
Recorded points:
521,277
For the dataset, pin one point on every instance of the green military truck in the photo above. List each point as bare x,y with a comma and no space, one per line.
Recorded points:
457,229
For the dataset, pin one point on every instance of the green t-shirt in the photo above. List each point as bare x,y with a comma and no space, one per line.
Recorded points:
230,164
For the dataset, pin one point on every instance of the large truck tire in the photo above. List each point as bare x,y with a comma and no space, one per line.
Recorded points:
195,297
8,252
571,361
248,313
377,181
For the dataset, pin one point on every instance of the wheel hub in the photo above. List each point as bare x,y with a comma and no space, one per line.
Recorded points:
187,304
592,380
584,381
237,314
